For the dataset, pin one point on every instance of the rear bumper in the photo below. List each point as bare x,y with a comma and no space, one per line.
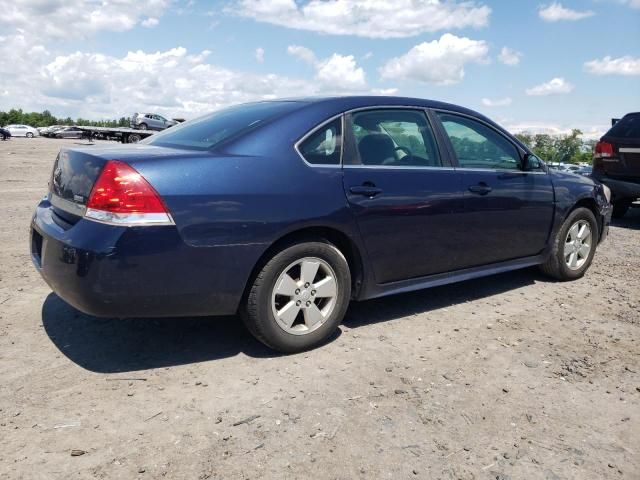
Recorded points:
620,188
110,271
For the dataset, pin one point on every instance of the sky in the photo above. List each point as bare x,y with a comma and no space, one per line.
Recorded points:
531,66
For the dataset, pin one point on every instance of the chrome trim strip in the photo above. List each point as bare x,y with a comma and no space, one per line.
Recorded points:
629,150
128,219
314,130
67,205
500,170
398,167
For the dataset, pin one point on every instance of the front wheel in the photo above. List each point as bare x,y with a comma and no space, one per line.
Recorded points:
573,247
29,135
299,297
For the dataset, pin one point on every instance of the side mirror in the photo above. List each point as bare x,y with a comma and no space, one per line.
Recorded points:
530,162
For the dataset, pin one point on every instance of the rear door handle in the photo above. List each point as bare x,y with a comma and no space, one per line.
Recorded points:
480,189
366,190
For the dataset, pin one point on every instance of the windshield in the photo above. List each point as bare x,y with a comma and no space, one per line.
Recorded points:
206,132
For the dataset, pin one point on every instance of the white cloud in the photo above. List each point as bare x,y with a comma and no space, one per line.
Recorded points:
174,82
365,18
498,102
260,55
440,62
552,87
626,65
337,72
555,12
65,19
150,22
509,57
632,3
303,53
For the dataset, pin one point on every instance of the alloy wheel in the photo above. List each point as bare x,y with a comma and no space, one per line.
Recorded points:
304,295
577,245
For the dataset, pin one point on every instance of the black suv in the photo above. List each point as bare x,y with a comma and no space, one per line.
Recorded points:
616,162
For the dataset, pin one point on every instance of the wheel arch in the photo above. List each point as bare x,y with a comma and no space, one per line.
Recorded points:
590,204
338,238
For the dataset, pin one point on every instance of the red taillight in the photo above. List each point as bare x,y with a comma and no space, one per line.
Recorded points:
603,150
122,196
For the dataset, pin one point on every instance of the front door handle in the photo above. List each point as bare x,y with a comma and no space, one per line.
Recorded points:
366,190
481,189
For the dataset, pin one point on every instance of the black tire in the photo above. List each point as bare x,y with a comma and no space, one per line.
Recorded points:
143,126
257,313
620,208
555,266
29,135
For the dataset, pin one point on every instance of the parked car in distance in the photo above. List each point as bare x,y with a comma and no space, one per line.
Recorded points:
586,171
4,133
45,131
151,121
17,130
616,162
68,132
284,211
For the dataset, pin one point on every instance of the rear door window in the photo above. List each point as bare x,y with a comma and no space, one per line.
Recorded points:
394,138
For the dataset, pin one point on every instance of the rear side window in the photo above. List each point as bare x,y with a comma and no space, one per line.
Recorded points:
324,146
210,130
627,127
478,146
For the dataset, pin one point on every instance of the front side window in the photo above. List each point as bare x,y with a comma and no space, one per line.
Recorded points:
394,138
478,146
324,146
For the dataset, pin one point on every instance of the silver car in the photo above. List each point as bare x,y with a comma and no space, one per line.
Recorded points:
150,121
68,132
18,130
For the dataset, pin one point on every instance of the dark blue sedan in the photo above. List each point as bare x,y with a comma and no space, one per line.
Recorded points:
284,211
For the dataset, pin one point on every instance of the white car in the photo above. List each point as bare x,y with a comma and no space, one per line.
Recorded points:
22,131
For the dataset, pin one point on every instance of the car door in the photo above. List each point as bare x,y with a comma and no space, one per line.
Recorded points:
405,195
508,209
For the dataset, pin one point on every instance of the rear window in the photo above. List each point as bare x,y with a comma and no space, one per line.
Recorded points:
627,127
206,132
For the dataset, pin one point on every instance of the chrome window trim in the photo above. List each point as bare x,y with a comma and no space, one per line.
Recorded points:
296,146
501,170
506,137
398,167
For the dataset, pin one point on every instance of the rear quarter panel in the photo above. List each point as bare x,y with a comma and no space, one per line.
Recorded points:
233,208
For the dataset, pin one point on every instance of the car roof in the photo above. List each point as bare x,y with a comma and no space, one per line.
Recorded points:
361,101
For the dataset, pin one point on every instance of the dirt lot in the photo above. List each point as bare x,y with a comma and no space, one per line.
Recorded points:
508,377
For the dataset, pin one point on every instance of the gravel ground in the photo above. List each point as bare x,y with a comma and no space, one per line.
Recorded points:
508,377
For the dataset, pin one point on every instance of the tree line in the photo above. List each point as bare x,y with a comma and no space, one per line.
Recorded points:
559,148
46,119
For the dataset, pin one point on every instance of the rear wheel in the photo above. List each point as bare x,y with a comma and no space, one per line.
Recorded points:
573,247
143,126
620,208
299,297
